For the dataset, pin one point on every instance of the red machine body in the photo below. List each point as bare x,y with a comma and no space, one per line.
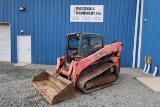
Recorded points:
89,66
76,67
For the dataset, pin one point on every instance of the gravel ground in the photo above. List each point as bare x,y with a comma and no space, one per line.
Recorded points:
16,90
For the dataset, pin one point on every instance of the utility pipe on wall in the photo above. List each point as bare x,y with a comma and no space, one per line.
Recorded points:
149,62
145,60
135,34
155,70
148,68
145,67
140,34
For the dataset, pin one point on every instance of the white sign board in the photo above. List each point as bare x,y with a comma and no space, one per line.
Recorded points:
86,13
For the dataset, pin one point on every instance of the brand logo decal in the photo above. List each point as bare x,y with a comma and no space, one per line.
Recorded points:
99,54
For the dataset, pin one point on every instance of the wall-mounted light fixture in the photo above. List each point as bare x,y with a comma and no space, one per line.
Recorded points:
22,8
22,31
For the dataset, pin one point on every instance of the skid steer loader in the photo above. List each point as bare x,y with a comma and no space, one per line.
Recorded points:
88,65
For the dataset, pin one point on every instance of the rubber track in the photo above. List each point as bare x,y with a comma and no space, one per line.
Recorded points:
84,78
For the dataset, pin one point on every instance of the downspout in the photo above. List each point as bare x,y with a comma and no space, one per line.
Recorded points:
140,34
135,34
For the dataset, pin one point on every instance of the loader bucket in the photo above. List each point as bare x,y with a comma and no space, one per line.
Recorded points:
53,87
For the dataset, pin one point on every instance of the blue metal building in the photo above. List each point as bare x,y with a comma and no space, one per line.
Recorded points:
150,35
48,21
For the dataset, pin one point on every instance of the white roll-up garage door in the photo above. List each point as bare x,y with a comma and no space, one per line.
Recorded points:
5,47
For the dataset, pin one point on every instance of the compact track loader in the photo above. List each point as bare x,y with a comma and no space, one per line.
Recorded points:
88,65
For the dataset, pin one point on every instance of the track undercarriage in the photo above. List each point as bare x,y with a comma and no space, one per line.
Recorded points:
101,77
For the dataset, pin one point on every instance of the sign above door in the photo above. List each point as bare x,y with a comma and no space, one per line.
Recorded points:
86,13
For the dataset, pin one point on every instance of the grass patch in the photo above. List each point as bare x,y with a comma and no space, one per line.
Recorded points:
135,78
40,69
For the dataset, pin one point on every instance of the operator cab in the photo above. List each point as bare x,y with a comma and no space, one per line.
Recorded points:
83,45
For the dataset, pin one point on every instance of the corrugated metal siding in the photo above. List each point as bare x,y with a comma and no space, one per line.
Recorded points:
151,33
47,21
